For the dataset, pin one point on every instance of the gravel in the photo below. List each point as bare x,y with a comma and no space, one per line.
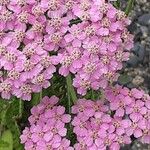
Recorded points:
138,67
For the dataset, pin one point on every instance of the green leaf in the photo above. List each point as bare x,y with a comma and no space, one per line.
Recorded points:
3,143
12,116
117,4
6,142
71,88
92,94
3,104
129,6
36,97
16,135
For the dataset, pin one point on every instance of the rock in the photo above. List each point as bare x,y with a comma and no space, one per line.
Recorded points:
139,51
138,80
145,31
134,60
144,19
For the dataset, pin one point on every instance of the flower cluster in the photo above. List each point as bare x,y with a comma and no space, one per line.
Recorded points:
133,104
47,127
97,46
90,37
29,31
98,126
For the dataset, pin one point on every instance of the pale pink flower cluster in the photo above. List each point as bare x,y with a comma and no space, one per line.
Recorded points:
89,37
29,29
133,104
99,126
96,129
95,48
47,127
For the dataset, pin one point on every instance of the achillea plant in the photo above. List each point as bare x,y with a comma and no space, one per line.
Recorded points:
47,127
83,40
92,49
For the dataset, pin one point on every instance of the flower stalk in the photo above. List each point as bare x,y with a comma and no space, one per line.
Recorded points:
70,89
129,7
117,4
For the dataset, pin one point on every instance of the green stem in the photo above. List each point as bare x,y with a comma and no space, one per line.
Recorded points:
92,92
21,105
129,6
71,95
41,95
117,4
69,100
70,88
4,114
36,98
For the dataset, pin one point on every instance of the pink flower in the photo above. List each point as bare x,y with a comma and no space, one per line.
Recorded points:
26,134
65,144
6,21
31,69
24,91
34,51
137,93
120,125
91,68
119,104
136,110
82,32
11,58
80,125
6,89
75,32
134,106
47,131
83,84
57,113
136,128
41,81
68,64
146,135
14,76
58,22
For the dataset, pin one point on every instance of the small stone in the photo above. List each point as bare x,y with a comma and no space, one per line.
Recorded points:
145,31
134,60
144,19
138,80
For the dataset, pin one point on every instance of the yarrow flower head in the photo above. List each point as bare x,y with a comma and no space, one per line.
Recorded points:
47,127
88,38
95,128
27,36
134,105
99,126
100,43
110,122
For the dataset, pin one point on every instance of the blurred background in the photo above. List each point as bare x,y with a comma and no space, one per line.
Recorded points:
136,72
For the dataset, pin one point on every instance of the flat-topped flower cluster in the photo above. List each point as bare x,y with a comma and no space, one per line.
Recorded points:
110,122
113,121
97,46
89,38
47,127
